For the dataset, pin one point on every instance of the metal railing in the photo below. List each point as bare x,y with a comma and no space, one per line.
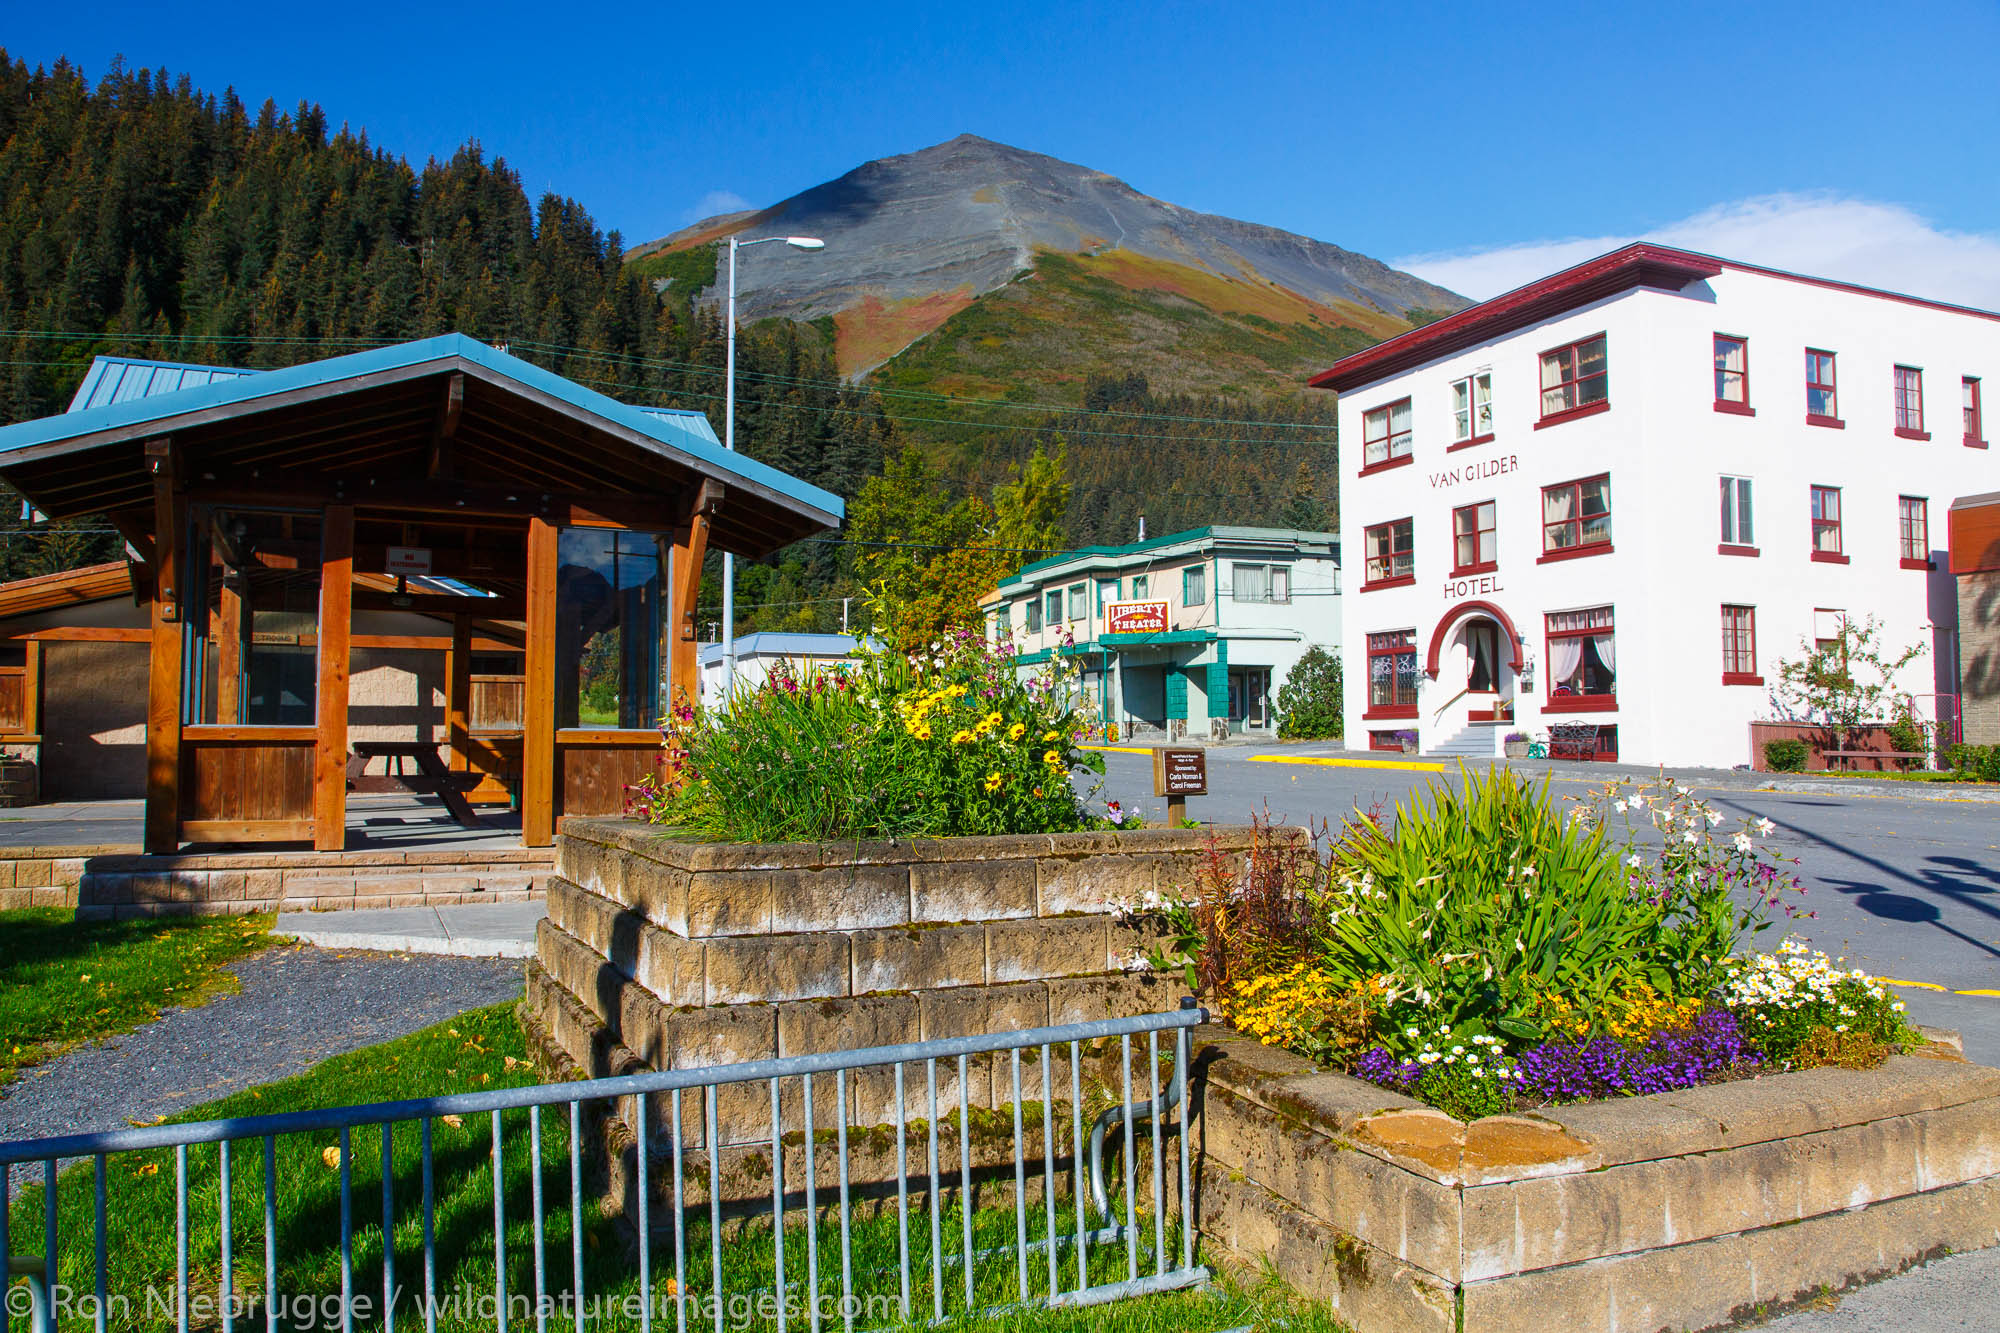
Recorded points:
1060,1255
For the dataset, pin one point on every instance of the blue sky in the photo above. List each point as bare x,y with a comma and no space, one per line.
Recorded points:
1477,145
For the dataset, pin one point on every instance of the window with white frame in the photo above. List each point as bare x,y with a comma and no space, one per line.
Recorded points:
1472,408
1738,525
1261,583
1107,593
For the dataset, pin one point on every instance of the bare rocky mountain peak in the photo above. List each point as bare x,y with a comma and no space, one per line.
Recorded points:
921,234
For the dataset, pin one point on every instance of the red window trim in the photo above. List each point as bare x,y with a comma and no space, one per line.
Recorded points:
1408,645
1467,444
1368,561
1402,460
1576,553
1387,411
1571,414
1971,443
1729,659
1831,384
1585,409
1581,703
1728,548
1377,742
1830,557
1397,711
1740,678
1924,507
1478,566
1838,522
1974,439
1908,563
1730,405
1916,432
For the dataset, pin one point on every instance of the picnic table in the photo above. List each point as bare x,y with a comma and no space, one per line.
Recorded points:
1847,757
432,778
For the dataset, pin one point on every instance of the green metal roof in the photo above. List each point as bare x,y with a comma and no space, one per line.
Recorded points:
686,433
1217,533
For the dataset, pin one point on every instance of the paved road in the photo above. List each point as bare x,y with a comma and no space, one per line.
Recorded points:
1905,880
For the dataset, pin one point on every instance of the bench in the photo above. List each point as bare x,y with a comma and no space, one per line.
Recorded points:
1847,757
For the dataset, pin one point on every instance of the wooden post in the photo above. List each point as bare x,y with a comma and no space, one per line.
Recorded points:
690,549
163,673
229,638
336,610
458,693
538,721
31,690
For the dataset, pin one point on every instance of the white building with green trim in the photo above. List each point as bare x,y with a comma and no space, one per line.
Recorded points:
1226,612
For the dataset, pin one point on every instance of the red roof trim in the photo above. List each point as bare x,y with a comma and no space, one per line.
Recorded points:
1639,265
1634,266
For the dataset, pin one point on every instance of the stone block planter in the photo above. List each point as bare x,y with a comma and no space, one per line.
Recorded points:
661,953
1678,1210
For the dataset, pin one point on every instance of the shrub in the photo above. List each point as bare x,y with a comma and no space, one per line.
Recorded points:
1907,734
1242,918
1309,702
1785,756
1980,762
1484,902
948,744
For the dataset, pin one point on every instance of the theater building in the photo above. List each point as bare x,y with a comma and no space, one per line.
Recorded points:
1189,634
1604,506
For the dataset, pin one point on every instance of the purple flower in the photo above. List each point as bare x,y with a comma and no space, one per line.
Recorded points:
1384,1070
1672,1058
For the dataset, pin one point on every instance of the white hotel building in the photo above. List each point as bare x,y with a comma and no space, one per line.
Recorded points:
1616,497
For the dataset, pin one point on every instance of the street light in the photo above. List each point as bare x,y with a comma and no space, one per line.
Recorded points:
729,442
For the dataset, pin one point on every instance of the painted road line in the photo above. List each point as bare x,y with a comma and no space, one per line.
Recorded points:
1330,761
1118,749
1942,990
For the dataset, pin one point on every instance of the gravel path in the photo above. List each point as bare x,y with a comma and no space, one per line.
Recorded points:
298,1006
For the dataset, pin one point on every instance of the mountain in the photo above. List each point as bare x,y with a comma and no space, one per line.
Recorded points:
977,267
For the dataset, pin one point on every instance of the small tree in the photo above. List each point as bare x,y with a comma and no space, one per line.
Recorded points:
1309,702
1845,684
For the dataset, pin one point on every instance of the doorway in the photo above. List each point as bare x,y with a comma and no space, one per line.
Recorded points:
1249,698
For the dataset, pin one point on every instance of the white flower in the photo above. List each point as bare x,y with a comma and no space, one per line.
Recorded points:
1714,818
1689,839
1764,826
1742,841
1633,860
1619,806
1639,800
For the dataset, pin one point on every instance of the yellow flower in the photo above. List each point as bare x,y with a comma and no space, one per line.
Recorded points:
330,1155
1052,735
1053,758
991,720
1038,791
956,691
922,733
993,781
963,738
1018,730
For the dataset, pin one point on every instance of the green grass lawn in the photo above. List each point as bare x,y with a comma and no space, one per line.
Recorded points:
485,1049
64,982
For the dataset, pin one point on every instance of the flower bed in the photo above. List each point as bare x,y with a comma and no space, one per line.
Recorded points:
955,742
1493,949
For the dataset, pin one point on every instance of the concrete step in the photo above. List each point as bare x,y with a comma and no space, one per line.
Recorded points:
495,930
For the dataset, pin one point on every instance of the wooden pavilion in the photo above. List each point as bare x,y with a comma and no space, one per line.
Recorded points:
440,478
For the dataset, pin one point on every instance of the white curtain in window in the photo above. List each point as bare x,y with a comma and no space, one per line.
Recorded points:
1602,643
1565,656
1281,584
1558,505
1246,582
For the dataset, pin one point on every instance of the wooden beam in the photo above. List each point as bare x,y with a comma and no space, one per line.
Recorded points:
538,739
683,653
31,691
229,640
458,691
449,412
131,526
336,609
163,672
86,633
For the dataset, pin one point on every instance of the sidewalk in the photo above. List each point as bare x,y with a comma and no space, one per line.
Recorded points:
481,930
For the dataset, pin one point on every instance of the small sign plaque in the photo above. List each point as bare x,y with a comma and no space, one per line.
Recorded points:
1180,773
408,561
